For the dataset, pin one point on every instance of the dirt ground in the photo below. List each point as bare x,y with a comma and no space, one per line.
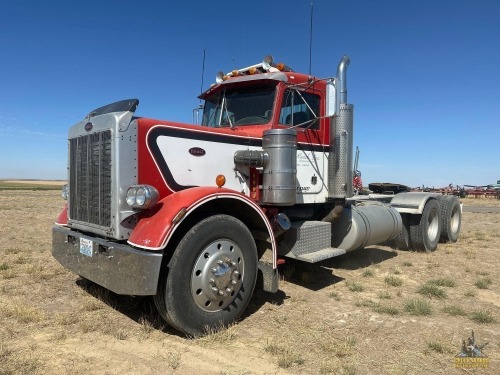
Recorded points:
375,311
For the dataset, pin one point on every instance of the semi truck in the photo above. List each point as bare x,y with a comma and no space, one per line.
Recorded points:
197,215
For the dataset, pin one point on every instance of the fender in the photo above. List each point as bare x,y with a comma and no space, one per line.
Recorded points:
62,218
412,202
156,227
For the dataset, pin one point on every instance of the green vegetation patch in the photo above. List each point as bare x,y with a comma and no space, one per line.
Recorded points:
418,307
354,286
482,317
393,281
454,310
442,282
432,291
483,283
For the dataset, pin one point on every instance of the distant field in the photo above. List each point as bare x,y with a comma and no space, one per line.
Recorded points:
31,184
373,311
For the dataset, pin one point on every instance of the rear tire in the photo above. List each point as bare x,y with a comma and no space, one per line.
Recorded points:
211,276
425,229
451,218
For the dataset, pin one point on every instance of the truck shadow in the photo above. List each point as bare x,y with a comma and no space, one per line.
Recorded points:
359,259
140,309
316,276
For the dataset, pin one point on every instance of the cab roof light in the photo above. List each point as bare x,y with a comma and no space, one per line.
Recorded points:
267,65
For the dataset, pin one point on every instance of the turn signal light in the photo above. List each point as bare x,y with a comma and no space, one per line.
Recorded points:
220,180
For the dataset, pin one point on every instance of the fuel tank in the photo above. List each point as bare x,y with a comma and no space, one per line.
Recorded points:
361,226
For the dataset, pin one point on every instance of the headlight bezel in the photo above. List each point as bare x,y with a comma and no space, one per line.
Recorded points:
141,196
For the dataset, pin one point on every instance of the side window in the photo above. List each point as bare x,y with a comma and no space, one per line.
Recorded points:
295,111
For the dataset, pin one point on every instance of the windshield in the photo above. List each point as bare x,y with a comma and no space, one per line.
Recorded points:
239,106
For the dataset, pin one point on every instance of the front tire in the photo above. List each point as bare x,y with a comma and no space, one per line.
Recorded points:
425,229
210,278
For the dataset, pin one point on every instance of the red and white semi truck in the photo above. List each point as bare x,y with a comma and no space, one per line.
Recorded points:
195,214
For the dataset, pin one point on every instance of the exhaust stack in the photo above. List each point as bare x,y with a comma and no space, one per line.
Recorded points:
341,139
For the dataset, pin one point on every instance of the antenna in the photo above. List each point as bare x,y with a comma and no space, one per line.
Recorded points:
310,38
196,111
202,73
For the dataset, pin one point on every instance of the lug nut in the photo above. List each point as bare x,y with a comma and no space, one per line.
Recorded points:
233,282
211,280
236,272
220,262
221,293
233,264
214,289
214,270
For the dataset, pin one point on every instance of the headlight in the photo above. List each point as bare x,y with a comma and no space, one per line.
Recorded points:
131,196
142,196
65,191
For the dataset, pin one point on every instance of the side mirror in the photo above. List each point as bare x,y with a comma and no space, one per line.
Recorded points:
331,105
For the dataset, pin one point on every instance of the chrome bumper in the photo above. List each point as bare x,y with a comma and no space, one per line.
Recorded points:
117,267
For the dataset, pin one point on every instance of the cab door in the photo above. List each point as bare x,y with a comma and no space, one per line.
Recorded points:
303,111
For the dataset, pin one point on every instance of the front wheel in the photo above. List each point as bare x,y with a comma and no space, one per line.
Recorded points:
211,276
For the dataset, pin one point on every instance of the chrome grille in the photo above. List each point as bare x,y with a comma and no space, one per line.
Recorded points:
90,179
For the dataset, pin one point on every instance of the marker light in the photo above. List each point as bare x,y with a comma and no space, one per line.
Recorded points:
141,196
252,70
280,66
65,191
235,73
220,180
219,78
268,62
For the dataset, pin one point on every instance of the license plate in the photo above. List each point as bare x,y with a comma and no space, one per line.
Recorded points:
86,247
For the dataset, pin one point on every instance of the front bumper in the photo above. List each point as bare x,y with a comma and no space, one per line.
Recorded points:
117,267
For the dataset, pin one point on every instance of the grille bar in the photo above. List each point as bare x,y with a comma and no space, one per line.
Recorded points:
90,179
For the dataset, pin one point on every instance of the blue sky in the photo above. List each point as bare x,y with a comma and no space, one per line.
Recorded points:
424,75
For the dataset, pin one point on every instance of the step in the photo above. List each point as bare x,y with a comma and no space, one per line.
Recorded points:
317,256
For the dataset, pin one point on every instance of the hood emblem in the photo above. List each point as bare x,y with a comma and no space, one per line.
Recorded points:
89,126
197,151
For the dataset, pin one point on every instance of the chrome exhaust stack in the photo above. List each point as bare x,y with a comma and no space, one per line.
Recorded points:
341,139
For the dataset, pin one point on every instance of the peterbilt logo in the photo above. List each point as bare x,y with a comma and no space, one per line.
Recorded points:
197,151
88,126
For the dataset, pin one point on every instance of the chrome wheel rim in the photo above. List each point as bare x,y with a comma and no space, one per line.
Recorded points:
217,275
433,225
455,219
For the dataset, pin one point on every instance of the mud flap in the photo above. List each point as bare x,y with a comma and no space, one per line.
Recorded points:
270,277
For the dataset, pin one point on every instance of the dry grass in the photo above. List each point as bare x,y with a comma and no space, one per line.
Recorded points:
328,318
